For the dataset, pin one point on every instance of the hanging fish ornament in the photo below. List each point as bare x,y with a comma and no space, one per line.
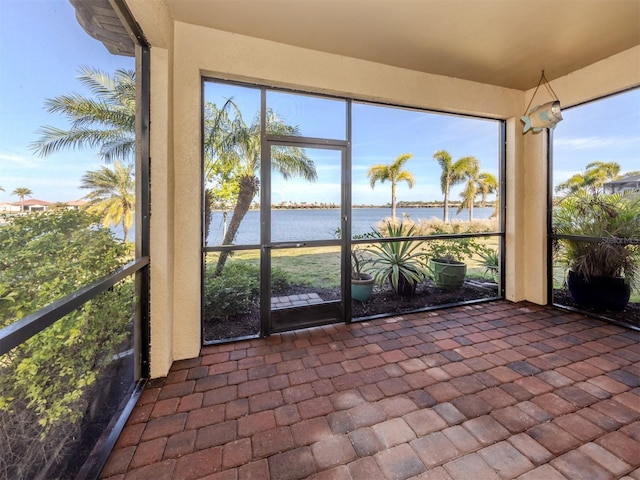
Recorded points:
542,116
545,115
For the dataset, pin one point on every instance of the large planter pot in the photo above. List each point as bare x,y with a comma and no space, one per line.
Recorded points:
361,289
600,293
448,274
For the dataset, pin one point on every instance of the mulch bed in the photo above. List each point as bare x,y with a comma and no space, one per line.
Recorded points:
629,316
383,302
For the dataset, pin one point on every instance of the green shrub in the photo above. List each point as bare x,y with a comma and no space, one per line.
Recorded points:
46,382
237,291
279,279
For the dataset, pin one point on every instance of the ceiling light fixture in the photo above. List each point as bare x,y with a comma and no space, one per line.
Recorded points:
542,116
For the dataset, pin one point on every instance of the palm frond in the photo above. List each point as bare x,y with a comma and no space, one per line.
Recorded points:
378,173
293,162
106,122
408,177
54,139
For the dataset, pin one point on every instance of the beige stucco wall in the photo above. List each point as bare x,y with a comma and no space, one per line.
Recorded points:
188,52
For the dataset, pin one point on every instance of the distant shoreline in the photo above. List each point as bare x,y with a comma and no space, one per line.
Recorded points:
334,206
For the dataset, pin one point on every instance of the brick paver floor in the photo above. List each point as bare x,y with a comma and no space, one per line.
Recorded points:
491,391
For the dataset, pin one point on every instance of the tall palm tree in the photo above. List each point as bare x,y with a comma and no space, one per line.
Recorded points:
112,195
452,174
592,180
238,149
22,192
106,120
219,166
394,173
472,174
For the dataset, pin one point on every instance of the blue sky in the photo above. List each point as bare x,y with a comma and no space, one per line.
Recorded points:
606,130
42,46
380,134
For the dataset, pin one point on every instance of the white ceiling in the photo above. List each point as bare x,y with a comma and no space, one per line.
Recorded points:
499,42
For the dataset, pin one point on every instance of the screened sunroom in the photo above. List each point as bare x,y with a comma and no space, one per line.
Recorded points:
276,154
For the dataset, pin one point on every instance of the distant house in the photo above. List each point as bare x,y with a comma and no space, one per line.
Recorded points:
35,205
625,184
75,204
7,207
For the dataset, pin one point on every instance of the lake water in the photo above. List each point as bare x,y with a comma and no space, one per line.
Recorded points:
317,224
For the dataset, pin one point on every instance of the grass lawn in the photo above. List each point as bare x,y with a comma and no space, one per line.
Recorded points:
320,266
317,266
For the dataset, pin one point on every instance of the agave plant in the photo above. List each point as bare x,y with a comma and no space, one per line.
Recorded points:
400,262
490,260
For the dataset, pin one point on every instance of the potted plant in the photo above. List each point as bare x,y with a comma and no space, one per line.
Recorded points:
446,260
361,282
603,267
398,262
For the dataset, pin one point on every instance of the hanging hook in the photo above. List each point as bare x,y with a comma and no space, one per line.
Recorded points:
549,89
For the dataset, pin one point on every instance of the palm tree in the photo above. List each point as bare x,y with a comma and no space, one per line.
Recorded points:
452,174
219,167
22,192
573,184
472,174
487,184
593,179
106,120
394,173
112,195
237,148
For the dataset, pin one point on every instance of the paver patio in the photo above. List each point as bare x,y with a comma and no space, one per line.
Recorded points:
496,390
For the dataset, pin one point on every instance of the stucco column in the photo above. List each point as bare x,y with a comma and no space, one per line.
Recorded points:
162,215
187,200
534,256
514,242
526,199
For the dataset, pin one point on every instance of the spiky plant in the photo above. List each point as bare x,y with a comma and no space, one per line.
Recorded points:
393,260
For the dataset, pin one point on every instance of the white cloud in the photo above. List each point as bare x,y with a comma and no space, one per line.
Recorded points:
19,160
584,143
